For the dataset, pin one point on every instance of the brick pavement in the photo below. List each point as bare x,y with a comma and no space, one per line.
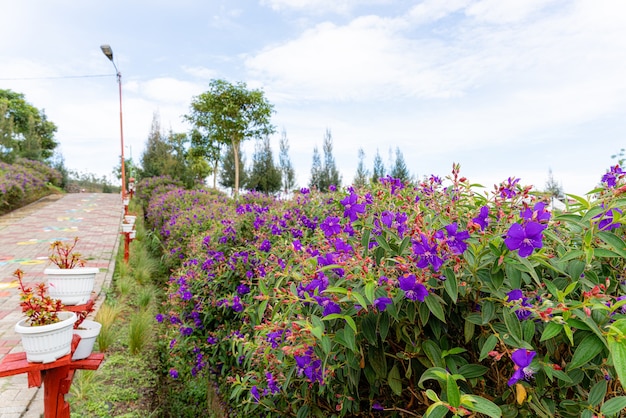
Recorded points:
25,238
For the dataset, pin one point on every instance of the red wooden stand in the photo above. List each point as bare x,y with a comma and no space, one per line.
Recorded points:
56,377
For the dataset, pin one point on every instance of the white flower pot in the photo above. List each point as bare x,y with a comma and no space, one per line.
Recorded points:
47,343
126,201
127,227
133,234
88,331
130,218
71,286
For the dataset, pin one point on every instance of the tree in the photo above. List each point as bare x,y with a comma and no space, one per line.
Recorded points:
362,174
316,170
399,170
25,131
553,188
330,174
165,155
264,176
227,172
379,169
229,114
287,173
209,151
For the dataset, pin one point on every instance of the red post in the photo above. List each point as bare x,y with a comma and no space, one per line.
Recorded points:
126,246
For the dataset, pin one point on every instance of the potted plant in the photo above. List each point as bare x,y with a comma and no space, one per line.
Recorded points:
88,331
71,282
47,329
127,225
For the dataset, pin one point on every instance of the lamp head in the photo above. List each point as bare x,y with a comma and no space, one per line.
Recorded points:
106,49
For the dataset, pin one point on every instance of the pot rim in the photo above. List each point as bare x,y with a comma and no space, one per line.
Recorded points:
69,272
23,328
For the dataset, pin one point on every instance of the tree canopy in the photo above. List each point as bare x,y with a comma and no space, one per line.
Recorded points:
25,131
229,114
264,176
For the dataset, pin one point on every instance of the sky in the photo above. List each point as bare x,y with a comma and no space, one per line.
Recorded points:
505,88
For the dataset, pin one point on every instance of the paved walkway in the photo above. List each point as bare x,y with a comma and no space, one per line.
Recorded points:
25,238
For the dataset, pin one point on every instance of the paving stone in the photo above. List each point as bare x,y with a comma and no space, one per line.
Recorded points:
25,238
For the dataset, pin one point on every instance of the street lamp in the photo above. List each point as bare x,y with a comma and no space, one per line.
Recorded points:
108,52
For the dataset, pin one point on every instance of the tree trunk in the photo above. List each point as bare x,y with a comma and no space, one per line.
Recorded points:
215,175
236,154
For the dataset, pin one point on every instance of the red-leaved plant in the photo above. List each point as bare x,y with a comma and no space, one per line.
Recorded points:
63,255
40,308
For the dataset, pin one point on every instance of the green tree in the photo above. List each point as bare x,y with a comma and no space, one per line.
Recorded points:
330,174
361,177
229,114
165,155
400,170
25,131
264,176
553,188
287,173
209,151
316,170
227,172
379,168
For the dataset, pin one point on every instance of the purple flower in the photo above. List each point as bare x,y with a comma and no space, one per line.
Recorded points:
275,338
255,393
376,406
413,290
456,240
271,383
483,217
212,340
331,226
242,289
525,238
265,246
507,189
381,303
174,373
427,254
312,368
538,213
522,359
329,306
237,306
352,208
159,318
606,221
612,176
387,218
522,313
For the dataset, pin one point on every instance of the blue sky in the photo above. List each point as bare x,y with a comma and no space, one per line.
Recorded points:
506,88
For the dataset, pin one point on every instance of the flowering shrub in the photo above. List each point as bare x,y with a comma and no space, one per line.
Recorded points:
23,182
401,301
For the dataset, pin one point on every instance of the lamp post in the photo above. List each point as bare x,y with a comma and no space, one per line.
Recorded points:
108,52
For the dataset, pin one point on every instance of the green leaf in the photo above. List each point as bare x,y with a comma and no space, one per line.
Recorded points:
434,373
435,307
369,292
383,243
561,375
481,405
348,334
346,318
394,380
597,393
617,346
450,284
591,324
368,327
471,371
360,299
588,348
614,405
453,392
303,412
383,325
433,352
436,410
489,345
615,242
512,324
551,330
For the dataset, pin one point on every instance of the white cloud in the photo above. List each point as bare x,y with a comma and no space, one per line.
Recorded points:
200,72
318,6
169,90
510,11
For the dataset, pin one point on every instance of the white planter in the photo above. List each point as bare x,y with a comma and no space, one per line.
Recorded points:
88,331
71,286
127,227
126,201
133,234
47,343
130,218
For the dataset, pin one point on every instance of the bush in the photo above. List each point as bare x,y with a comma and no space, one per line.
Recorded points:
407,301
23,182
